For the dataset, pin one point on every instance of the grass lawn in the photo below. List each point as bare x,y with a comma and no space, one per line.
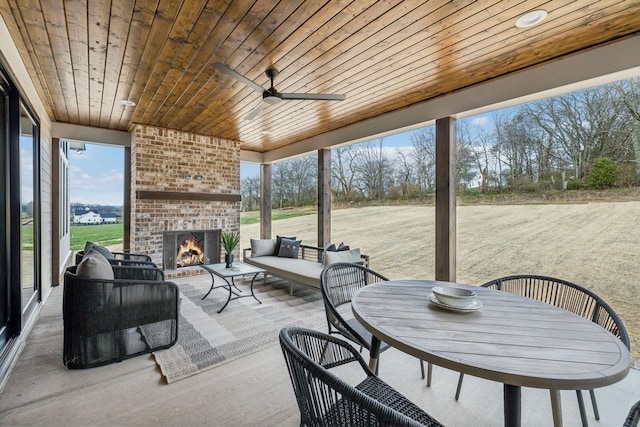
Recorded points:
104,234
253,217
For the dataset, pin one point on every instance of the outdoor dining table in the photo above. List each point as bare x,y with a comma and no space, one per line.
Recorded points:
511,339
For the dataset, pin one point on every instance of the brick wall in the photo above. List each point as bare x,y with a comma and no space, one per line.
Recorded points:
166,160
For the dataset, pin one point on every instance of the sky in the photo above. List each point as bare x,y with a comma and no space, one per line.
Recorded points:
97,174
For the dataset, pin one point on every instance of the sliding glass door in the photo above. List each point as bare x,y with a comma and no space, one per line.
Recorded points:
19,217
29,285
5,303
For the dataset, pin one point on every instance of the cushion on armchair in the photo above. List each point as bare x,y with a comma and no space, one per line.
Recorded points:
95,266
104,251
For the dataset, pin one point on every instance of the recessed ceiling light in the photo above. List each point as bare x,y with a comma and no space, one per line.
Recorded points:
531,18
266,132
126,103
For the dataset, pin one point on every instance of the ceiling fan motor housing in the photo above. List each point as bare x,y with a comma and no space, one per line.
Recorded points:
271,95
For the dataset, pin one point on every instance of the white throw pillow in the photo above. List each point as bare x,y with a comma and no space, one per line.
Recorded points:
263,247
352,255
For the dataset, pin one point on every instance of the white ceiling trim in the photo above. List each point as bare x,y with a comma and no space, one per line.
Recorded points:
90,134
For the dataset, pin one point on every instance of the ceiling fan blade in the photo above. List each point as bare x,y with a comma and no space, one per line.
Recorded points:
223,68
256,110
313,96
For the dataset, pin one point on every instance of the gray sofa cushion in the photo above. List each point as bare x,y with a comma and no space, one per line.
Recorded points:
262,247
297,270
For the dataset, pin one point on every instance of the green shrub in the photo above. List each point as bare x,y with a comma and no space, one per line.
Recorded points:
604,173
573,184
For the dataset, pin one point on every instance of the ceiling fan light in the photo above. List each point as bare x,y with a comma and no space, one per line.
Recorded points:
272,100
532,18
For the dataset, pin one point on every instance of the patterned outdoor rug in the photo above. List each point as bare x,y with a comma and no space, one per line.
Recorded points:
207,339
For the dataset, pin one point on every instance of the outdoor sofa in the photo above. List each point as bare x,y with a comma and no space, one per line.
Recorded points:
295,262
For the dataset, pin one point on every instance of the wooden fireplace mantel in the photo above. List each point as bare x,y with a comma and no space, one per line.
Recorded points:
176,195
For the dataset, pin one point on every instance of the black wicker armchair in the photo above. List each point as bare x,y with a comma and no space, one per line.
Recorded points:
567,296
338,283
107,321
634,416
324,399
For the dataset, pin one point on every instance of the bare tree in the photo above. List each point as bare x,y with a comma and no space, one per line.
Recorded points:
424,157
280,184
484,159
343,161
404,172
585,125
303,172
295,182
466,169
250,192
629,91
373,170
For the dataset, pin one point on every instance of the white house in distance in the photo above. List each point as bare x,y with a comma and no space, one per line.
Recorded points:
109,218
88,217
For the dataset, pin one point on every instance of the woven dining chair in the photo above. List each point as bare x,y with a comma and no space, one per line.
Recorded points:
339,282
567,296
324,399
634,416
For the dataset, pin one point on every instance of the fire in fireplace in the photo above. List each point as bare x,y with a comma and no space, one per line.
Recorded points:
192,247
189,253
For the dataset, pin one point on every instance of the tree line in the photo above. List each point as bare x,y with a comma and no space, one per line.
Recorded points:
584,139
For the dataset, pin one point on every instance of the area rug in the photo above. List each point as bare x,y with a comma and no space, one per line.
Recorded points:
207,339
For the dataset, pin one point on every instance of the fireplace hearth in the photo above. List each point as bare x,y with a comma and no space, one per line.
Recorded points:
185,248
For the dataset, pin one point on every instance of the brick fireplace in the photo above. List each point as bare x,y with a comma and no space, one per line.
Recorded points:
181,182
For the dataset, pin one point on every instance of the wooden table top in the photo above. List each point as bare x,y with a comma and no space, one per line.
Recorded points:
511,339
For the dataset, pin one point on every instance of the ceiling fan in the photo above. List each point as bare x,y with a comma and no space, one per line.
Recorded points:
271,96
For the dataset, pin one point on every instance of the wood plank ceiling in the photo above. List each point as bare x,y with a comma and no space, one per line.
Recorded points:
383,55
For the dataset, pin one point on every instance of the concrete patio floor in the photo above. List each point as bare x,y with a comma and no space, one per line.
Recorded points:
253,390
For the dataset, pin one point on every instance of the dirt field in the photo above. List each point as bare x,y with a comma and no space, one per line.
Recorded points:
596,245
